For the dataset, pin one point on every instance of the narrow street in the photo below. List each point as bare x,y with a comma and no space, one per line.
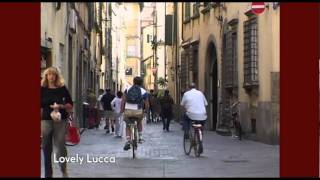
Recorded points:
162,155
217,48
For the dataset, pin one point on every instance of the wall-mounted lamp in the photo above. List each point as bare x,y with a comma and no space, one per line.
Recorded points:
275,5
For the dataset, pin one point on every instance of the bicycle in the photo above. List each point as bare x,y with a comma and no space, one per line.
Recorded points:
193,140
236,125
132,124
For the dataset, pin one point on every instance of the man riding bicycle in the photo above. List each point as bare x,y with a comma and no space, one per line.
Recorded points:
134,99
195,104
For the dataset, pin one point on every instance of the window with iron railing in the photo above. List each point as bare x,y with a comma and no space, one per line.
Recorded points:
193,62
184,70
251,52
230,58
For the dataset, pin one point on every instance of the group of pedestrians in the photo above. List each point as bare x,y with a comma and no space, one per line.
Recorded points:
109,110
161,108
56,102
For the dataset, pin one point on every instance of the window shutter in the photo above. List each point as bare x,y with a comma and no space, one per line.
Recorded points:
184,71
251,52
228,60
168,29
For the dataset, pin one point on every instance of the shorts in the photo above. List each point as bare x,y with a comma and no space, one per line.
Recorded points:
187,122
198,122
138,114
109,114
102,113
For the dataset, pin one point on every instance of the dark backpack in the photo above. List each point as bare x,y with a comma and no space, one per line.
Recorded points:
134,95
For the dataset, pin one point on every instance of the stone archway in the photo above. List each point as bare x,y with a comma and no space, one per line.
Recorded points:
211,85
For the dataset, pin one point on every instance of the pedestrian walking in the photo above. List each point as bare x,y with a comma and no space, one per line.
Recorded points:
166,103
101,112
156,107
152,106
54,97
106,101
93,112
116,106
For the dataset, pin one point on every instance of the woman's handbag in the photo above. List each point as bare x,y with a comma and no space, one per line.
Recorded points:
72,136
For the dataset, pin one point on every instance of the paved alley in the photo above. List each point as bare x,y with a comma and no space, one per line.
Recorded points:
162,155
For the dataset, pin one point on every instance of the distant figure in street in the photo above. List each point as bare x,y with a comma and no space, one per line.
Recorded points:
93,113
195,104
54,97
166,103
116,106
152,105
101,112
106,101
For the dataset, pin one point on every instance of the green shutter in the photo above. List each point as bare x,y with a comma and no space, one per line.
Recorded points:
168,29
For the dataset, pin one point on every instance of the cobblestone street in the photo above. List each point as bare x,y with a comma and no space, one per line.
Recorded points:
162,155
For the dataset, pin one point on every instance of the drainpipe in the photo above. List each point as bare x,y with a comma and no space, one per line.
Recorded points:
165,47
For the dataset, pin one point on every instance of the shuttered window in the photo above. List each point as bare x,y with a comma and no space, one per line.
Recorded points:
184,70
168,29
230,58
251,52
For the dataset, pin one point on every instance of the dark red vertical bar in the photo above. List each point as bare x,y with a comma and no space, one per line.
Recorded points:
20,89
299,31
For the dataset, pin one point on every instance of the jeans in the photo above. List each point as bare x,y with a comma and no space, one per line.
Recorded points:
166,123
53,133
186,122
151,114
117,117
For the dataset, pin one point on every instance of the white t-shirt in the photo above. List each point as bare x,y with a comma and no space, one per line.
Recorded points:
135,106
116,104
195,103
99,100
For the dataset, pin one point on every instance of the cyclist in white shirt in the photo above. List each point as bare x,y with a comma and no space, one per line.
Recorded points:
195,104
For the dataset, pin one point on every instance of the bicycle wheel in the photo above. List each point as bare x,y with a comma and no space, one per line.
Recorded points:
133,141
187,142
197,144
136,138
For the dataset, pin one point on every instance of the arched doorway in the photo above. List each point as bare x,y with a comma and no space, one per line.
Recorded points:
212,85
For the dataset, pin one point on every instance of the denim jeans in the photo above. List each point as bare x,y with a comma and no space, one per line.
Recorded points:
186,122
53,133
117,117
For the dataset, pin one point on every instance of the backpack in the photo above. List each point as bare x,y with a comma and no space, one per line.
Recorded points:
134,95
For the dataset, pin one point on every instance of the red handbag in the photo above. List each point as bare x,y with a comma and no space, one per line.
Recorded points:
72,136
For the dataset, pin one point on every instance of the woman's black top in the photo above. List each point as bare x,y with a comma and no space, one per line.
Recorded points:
50,96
